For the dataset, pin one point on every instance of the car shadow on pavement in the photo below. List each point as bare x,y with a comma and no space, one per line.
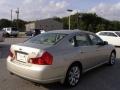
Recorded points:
4,50
105,77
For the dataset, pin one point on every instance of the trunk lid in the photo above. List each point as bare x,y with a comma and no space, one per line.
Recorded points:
23,52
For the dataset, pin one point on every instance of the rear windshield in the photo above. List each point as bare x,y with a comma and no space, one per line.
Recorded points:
47,38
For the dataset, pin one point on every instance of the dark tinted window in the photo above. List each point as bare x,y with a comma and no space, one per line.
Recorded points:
14,29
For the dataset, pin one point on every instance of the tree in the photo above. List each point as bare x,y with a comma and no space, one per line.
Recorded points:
21,24
90,22
5,23
90,28
100,27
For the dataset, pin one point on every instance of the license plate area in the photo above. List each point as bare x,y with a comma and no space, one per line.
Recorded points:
22,57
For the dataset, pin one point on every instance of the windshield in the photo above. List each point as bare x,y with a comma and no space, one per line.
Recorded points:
14,29
47,38
118,33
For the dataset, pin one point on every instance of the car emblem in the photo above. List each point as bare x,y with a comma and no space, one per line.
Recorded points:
20,49
33,52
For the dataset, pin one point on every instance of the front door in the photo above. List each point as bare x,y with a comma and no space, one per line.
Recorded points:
101,50
86,51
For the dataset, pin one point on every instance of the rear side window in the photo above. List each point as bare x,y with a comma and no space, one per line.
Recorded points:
80,40
111,34
107,34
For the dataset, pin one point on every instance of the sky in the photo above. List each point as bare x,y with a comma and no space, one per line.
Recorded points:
40,9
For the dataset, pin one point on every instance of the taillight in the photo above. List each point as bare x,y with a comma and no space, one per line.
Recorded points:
10,54
45,59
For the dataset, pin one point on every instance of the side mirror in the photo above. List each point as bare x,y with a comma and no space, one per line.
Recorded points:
105,43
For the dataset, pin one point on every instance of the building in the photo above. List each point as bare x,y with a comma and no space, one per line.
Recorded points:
46,24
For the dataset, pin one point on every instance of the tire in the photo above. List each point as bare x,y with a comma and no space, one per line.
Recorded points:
15,35
73,76
11,73
112,58
7,35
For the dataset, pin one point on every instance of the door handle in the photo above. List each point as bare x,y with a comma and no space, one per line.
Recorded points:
97,50
82,52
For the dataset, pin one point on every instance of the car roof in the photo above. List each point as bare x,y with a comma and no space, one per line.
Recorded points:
109,31
68,31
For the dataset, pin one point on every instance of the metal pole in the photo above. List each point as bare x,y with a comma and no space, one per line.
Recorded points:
77,20
69,23
11,15
17,12
11,18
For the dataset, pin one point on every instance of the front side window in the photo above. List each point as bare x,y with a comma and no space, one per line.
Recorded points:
47,38
8,29
95,39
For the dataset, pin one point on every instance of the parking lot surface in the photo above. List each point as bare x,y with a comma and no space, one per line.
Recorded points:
102,78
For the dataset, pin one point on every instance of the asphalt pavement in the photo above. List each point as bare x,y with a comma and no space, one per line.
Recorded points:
102,78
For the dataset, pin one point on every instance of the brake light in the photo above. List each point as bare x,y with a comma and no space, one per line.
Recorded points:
45,59
10,54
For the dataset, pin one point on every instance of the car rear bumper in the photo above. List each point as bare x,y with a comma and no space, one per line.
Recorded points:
42,74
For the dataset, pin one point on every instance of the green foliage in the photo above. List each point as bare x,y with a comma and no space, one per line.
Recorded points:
21,24
7,23
100,27
90,22
4,23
